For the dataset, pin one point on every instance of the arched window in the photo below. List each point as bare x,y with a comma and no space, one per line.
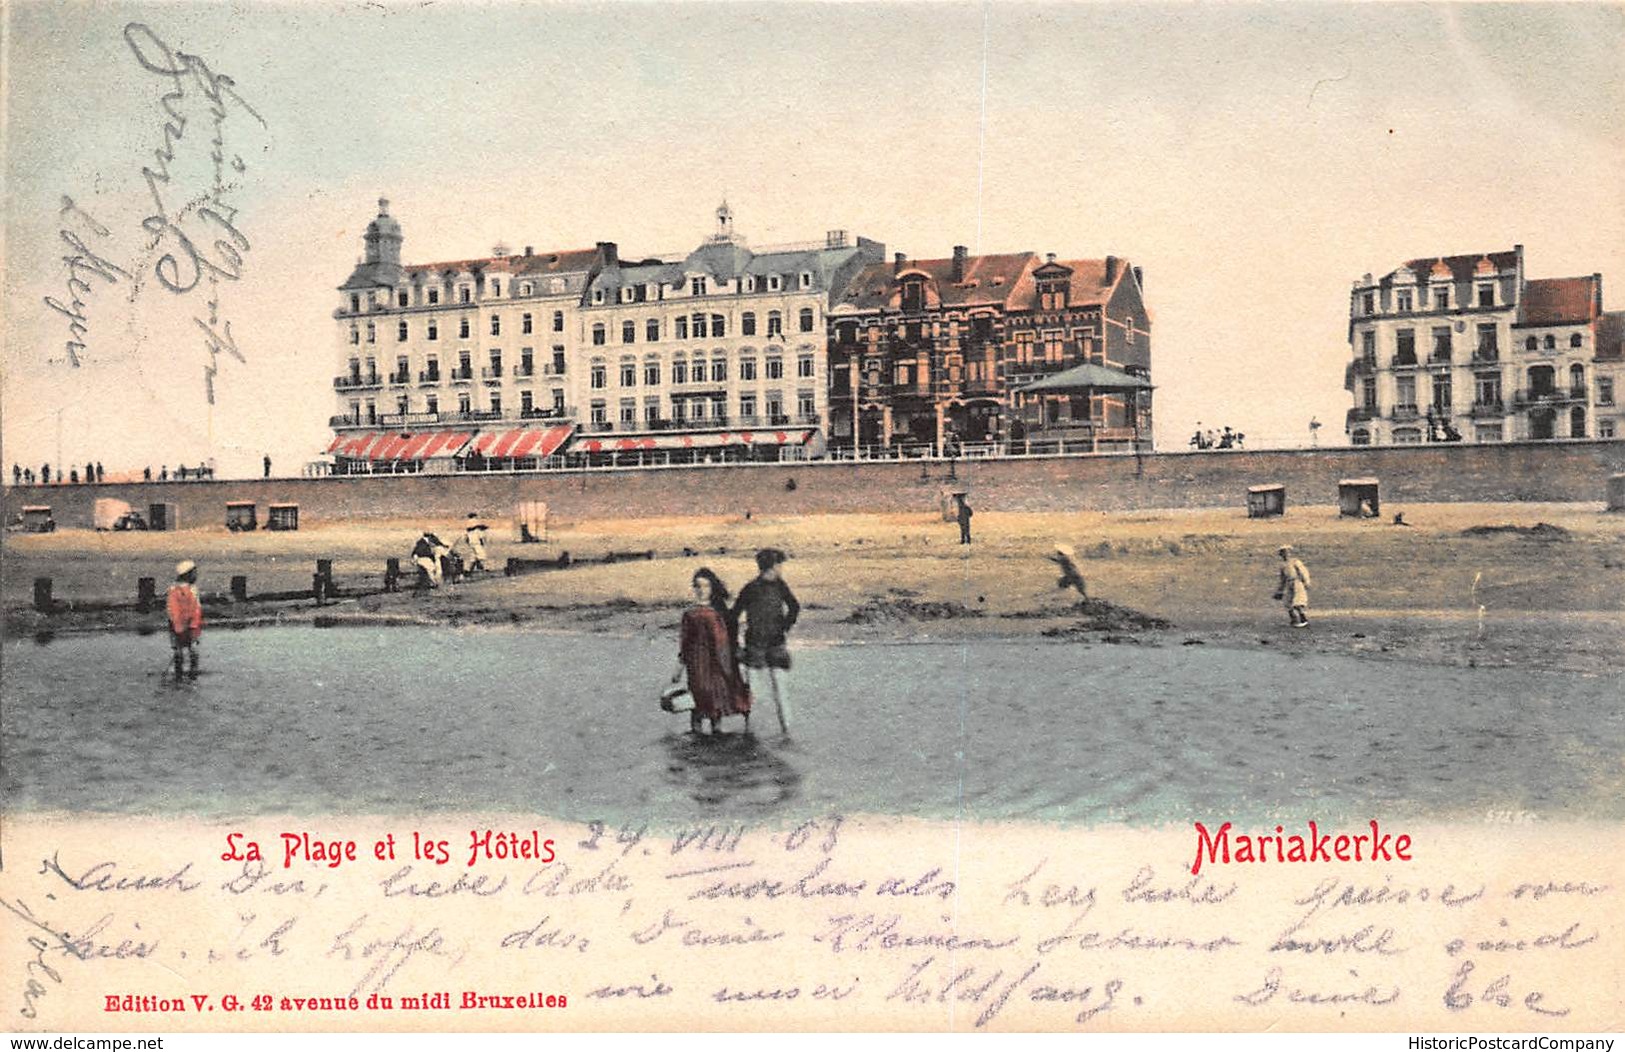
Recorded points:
747,323
805,319
1574,340
1577,422
719,326
775,323
1551,342
1531,344
598,334
1577,379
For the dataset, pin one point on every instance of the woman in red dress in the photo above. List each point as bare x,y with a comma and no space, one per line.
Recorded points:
706,651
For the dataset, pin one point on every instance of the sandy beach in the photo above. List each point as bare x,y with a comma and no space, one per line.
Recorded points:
1529,585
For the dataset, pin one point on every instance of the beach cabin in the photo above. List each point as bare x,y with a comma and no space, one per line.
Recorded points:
1355,495
161,516
1616,493
37,519
282,517
1265,501
241,515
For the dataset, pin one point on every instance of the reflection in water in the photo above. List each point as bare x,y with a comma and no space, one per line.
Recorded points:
735,771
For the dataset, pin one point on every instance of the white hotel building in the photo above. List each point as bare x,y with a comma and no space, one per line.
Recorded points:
512,359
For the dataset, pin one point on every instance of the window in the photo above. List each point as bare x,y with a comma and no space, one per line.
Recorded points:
629,332
697,371
719,370
913,296
1407,436
525,324
1368,393
651,330
496,325
697,327
355,335
1405,353
403,298
775,368
1488,347
1574,340
496,361
1577,380
462,328
527,361
403,405
434,330
1406,391
527,403
1360,437
463,294
558,361
1024,348
651,374
434,296
526,289
432,369
680,328
804,319
679,371
775,324
1487,390
651,411
750,282
719,326
372,412
629,373
372,333
698,408
775,407
1368,347
747,368
1605,390
804,366
598,334
1441,297
496,403
431,405
496,287
355,413
629,411
773,283
1441,343
1577,422
806,405
558,399
372,370
747,323
1441,391
696,287
1054,344
599,413
1605,429
598,295
1551,342
465,370
1486,294
400,333
558,321
806,280
1531,344
355,370
355,302
1404,302
1369,303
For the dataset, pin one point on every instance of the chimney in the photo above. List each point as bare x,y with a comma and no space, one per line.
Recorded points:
1111,270
1139,279
1049,257
959,263
528,250
1596,295
897,263
607,252
835,239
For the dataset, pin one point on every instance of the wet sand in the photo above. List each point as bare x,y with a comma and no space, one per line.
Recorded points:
1438,590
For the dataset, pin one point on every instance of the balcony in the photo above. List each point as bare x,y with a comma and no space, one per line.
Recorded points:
524,371
408,419
398,379
1547,396
1487,354
1405,412
462,374
1363,366
1360,415
1481,410
429,376
1403,361
354,383
344,421
493,372
542,413
1440,357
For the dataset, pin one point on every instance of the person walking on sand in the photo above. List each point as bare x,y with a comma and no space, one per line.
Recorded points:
185,617
769,610
707,652
474,537
964,515
426,554
1293,588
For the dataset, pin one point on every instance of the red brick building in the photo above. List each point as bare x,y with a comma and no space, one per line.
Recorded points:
938,351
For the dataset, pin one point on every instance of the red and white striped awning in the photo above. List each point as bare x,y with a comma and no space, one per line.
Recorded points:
522,442
386,446
692,440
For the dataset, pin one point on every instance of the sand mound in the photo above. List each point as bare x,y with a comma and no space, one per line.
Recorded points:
1541,530
879,610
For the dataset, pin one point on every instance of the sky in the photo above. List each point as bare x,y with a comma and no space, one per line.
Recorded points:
1253,160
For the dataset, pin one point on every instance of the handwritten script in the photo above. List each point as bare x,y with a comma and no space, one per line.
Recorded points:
832,923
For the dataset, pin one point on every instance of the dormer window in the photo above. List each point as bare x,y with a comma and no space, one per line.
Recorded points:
1441,297
598,295
1403,304
496,287
464,294
627,294
696,287
355,302
806,280
750,282
434,296
1052,295
1486,294
913,295
773,283
403,298
1368,303
527,289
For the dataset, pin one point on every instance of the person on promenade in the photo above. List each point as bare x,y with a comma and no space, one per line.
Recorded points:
185,617
964,516
146,473
474,537
769,610
707,651
267,465
16,475
163,474
1293,588
73,476
99,474
427,554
